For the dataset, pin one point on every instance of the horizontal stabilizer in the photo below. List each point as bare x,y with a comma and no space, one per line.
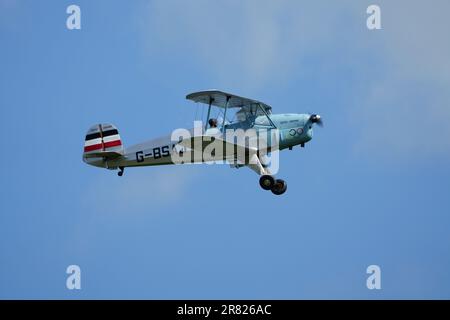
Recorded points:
103,154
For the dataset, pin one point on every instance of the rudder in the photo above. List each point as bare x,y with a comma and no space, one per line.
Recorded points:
102,138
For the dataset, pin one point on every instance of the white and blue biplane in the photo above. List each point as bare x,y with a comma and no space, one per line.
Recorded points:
261,134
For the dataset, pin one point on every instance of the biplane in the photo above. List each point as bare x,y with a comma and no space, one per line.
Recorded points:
261,134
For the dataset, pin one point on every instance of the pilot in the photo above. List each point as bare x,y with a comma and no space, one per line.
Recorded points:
212,123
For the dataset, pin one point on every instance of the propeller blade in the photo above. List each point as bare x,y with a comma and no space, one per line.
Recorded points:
320,122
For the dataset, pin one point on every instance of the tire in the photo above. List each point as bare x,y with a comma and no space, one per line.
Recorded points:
279,187
266,182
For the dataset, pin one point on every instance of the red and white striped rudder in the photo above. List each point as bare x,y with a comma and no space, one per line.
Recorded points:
102,137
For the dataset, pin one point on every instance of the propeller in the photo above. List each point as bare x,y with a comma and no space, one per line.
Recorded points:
315,118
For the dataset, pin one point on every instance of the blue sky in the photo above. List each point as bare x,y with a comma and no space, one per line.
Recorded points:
372,187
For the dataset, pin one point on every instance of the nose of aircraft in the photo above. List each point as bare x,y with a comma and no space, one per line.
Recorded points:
315,118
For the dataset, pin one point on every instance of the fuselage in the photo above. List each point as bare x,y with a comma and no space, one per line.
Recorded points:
293,130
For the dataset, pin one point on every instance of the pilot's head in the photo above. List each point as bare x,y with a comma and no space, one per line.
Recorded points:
212,123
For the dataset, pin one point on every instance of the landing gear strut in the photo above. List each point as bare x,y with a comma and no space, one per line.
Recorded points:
120,173
277,186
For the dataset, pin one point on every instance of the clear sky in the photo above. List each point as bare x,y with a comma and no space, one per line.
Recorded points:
372,187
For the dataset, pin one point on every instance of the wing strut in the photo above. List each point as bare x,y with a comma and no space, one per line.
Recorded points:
225,114
267,115
209,112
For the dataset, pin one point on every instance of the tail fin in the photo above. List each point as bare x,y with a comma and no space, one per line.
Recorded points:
102,140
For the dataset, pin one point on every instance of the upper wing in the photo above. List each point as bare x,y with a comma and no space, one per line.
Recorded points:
219,99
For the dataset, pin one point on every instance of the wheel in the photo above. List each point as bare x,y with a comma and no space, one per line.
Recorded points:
279,187
266,182
120,173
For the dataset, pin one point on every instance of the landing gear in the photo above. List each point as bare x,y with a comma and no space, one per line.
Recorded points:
266,182
279,187
120,173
